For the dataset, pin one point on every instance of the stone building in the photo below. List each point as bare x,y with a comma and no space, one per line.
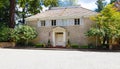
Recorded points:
60,24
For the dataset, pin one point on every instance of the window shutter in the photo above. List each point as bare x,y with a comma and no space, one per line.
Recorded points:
59,22
48,23
81,21
38,24
71,22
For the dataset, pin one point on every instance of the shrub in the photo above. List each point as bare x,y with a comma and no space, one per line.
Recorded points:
68,43
75,46
39,45
23,33
91,46
4,34
31,44
84,47
48,43
105,46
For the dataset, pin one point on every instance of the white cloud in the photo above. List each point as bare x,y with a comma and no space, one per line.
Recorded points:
91,5
86,1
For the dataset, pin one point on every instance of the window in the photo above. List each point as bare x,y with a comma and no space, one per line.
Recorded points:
77,22
43,23
53,22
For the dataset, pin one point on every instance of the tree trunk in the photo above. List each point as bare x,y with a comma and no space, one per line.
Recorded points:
105,39
110,44
23,16
12,14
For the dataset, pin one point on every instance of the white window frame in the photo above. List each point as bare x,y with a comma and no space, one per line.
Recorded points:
53,23
43,23
77,21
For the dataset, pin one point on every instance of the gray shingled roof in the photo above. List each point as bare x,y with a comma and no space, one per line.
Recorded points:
62,13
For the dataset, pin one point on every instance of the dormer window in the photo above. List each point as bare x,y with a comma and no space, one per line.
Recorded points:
43,23
53,22
77,21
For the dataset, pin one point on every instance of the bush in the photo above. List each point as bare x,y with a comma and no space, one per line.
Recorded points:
105,46
39,45
91,46
23,33
31,44
75,46
48,43
68,43
4,34
84,47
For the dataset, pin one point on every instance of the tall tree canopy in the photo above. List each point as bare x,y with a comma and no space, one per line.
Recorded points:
100,4
33,6
4,12
8,9
112,1
1,3
28,7
51,3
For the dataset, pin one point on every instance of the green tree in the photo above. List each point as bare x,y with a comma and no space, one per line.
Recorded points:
51,3
1,3
107,24
100,4
33,7
4,12
112,1
7,11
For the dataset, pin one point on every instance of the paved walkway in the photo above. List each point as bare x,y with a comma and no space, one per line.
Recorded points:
48,59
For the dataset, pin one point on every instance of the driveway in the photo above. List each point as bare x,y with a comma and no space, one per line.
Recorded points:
50,59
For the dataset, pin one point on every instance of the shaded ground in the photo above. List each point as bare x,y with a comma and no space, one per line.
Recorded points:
69,49
55,59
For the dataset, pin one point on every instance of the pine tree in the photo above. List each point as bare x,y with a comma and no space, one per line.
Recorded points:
100,4
112,1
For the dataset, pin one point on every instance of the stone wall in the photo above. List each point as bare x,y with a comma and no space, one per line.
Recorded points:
34,25
7,44
76,33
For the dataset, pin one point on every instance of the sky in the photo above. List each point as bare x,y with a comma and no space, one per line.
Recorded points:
89,4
